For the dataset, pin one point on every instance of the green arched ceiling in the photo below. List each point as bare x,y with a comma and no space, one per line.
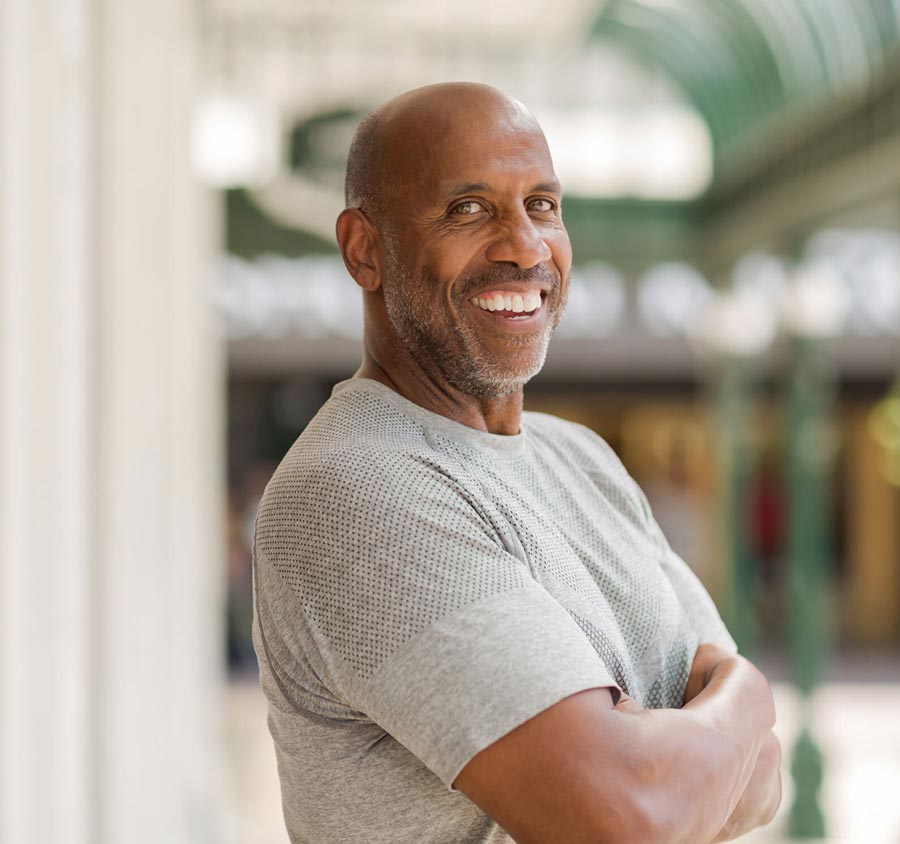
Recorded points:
743,62
758,71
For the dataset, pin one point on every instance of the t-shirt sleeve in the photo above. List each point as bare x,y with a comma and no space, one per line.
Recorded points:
393,585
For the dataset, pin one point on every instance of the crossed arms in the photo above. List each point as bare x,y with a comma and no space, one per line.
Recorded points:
586,771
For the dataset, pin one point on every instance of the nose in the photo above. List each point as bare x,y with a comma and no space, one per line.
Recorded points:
519,242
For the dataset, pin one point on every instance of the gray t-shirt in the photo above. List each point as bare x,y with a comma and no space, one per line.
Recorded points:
421,588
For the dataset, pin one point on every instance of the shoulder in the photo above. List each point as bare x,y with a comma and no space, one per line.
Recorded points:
586,452
358,433
352,475
573,439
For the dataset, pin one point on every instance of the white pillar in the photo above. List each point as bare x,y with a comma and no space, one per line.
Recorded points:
111,417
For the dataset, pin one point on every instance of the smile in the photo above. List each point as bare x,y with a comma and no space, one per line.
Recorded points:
509,304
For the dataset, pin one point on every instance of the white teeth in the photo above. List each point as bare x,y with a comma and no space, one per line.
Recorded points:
532,301
516,302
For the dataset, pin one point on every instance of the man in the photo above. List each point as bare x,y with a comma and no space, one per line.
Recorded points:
469,627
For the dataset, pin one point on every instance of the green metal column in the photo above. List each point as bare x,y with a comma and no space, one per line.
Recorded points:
733,388
810,454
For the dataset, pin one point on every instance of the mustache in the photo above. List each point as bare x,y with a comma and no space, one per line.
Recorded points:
500,273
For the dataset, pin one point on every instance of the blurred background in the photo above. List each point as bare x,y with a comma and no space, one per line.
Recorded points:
173,311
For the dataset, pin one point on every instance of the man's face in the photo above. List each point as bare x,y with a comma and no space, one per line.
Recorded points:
476,257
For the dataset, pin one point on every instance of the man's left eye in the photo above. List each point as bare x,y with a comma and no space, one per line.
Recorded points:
541,204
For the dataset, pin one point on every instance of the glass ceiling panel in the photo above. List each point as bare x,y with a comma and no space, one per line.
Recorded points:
798,64
743,61
871,17
883,19
738,63
841,43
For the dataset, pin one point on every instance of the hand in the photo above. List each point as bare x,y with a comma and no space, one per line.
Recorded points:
706,660
762,796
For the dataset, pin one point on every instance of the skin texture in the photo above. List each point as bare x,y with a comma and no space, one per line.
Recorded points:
588,771
452,194
480,211
761,796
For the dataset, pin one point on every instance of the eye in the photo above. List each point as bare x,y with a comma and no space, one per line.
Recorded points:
541,204
466,208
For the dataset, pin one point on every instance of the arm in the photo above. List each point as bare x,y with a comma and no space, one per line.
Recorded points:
585,770
762,796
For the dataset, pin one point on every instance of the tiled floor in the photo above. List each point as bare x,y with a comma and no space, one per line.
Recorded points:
857,725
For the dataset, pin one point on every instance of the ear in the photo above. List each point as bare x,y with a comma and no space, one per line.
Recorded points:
357,239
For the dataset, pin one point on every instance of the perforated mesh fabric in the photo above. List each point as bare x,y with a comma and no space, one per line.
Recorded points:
389,534
348,533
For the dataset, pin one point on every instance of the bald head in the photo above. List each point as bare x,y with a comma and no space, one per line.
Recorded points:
395,141
451,194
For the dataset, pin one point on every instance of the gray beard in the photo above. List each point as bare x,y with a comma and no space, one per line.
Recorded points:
475,375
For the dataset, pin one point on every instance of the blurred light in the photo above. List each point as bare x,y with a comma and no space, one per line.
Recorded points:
877,291
734,324
762,276
868,260
670,155
596,302
816,303
274,296
234,142
884,425
657,152
670,295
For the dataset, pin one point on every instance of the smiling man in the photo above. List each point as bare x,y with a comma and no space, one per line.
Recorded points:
469,626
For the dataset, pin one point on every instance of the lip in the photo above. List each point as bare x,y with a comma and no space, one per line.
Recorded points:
519,324
513,287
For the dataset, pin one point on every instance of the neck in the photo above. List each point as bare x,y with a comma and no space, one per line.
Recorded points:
424,387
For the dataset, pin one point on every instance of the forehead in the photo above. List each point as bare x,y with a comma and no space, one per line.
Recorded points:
506,153
512,162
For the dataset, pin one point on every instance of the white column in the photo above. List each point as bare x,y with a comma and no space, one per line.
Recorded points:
111,417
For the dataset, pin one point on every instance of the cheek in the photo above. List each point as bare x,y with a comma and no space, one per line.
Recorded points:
444,271
440,275
561,249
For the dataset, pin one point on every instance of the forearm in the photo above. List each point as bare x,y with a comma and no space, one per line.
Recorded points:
708,750
689,774
585,771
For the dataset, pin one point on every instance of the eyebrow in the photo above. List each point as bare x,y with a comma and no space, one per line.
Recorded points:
552,186
547,187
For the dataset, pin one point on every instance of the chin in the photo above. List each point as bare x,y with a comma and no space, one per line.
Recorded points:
482,383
